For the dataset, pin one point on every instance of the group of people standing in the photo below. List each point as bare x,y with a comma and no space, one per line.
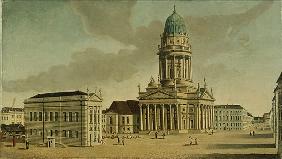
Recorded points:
156,135
121,140
191,140
252,133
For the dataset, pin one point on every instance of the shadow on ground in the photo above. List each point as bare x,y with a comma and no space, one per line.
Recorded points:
269,135
240,146
236,156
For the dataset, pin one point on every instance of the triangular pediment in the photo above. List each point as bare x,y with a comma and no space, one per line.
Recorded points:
158,94
95,97
206,95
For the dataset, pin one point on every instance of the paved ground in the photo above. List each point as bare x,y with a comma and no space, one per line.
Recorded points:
219,145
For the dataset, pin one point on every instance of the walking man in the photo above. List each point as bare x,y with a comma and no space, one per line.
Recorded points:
123,141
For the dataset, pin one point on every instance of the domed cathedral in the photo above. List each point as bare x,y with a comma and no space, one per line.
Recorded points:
174,103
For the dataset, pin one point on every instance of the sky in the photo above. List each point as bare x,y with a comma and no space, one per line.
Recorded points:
112,45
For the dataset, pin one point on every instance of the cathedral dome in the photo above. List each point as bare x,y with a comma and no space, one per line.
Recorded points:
175,24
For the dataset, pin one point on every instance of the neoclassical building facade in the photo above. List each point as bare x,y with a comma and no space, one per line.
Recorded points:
174,102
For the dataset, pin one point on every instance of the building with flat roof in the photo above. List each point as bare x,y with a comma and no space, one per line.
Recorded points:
73,118
231,117
10,115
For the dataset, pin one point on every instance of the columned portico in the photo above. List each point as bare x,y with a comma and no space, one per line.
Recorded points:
175,102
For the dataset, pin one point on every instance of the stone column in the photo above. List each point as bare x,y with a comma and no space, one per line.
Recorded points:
196,116
170,117
187,117
183,67
163,122
160,68
141,117
213,116
190,67
210,116
166,68
206,117
187,68
178,117
148,117
202,117
174,67
155,111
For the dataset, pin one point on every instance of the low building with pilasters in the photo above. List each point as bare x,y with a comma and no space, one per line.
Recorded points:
72,118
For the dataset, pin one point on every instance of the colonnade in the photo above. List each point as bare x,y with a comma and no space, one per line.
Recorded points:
170,64
155,117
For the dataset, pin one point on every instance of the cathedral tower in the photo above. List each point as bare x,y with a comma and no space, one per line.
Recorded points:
175,52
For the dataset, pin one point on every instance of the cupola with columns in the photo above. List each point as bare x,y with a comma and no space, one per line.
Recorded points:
175,62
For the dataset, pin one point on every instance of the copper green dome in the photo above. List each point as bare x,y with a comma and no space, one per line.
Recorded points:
175,24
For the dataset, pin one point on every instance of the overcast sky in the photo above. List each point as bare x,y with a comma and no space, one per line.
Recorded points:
72,45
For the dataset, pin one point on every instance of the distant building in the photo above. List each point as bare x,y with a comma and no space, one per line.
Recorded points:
123,117
231,117
277,114
258,119
73,118
11,115
267,120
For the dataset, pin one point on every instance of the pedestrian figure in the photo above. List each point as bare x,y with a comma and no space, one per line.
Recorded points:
212,131
253,133
196,142
190,140
163,135
123,141
156,135
250,133
27,144
118,141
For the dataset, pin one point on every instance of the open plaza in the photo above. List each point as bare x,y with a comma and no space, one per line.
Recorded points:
218,145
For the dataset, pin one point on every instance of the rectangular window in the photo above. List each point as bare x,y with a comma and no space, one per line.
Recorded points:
35,116
123,120
46,116
127,120
30,116
51,132
40,116
56,116
34,131
111,120
65,116
70,134
76,116
56,133
30,131
91,118
70,116
51,116
76,134
64,133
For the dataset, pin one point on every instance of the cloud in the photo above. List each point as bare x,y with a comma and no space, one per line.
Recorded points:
109,18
